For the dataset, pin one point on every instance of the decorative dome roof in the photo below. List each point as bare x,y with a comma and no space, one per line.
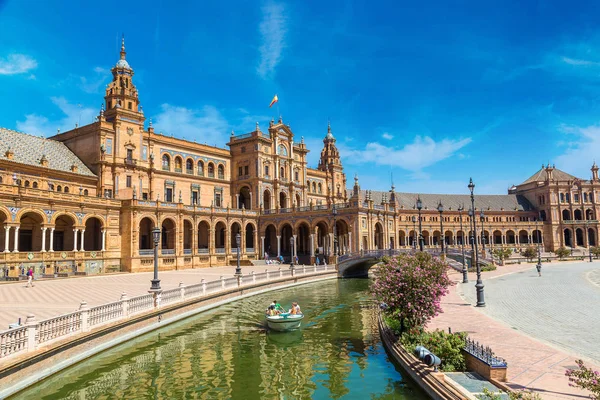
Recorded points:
329,134
122,64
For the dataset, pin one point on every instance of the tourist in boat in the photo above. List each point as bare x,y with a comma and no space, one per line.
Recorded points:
271,311
295,310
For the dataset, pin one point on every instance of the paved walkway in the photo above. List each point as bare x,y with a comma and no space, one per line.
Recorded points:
49,298
540,325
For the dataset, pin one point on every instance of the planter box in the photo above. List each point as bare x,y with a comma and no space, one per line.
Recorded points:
484,369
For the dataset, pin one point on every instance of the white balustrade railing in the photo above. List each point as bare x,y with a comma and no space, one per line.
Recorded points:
140,303
58,327
105,313
28,337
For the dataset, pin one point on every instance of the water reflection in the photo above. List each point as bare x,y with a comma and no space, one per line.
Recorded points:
228,353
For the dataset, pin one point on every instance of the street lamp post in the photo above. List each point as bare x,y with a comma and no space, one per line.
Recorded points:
461,208
419,207
292,243
539,263
238,240
155,287
442,236
414,221
479,285
482,218
334,210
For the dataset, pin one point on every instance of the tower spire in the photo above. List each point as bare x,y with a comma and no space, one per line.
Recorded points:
123,53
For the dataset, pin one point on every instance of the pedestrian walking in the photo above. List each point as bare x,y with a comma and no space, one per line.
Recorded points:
29,277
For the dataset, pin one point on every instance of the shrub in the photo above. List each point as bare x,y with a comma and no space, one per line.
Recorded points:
502,254
562,252
447,346
529,253
595,251
514,395
412,287
585,378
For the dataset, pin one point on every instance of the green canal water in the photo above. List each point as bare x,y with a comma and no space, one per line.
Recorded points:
227,353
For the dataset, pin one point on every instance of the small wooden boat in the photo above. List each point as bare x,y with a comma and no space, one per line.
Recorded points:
284,322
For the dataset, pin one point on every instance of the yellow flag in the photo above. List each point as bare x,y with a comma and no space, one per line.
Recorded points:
275,100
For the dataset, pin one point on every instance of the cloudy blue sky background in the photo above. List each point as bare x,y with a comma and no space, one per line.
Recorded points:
430,92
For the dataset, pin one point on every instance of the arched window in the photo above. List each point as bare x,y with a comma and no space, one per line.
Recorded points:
66,189
200,168
59,188
282,173
562,197
1,180
308,185
85,192
178,164
51,186
320,188
585,198
35,185
221,172
27,183
211,170
314,187
189,166
166,162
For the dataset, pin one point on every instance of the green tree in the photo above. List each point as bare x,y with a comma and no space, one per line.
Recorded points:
595,251
502,254
562,252
529,253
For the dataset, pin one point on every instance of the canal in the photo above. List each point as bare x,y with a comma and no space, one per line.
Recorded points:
227,353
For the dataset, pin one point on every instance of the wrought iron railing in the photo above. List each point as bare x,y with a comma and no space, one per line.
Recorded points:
484,353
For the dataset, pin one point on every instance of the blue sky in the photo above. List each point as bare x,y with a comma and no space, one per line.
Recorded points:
430,92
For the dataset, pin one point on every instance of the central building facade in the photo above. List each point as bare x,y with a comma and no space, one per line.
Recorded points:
86,200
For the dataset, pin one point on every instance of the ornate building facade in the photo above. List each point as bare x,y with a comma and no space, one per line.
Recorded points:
85,201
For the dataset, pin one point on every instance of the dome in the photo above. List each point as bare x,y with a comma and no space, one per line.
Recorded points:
123,64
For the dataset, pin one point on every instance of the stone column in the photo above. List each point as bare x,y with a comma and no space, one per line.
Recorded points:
312,244
51,239
82,237
237,201
255,243
44,239
104,240
349,242
295,246
278,245
6,238
75,239
251,207
330,247
16,250
262,246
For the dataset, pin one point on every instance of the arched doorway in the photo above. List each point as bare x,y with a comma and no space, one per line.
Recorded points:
167,237
591,237
235,230
203,237
577,214
266,200
63,233
497,237
343,243
282,200
579,236
303,242
250,238
220,237
437,238
510,237
523,237
568,237
188,232
30,232
271,240
321,232
536,236
286,235
245,199
426,238
3,222
401,239
378,238
145,239
93,234
566,215
448,238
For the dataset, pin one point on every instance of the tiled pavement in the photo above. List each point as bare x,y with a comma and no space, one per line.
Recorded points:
49,298
540,325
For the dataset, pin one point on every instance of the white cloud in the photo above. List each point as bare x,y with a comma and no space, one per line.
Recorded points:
205,125
578,61
73,114
387,136
581,148
422,152
17,64
272,30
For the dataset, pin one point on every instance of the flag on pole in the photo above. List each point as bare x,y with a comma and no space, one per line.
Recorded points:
275,100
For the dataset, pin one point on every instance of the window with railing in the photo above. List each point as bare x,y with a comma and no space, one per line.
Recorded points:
189,166
200,168
221,171
178,164
211,170
166,162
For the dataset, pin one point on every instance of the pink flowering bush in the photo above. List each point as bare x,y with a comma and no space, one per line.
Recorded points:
585,378
412,288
